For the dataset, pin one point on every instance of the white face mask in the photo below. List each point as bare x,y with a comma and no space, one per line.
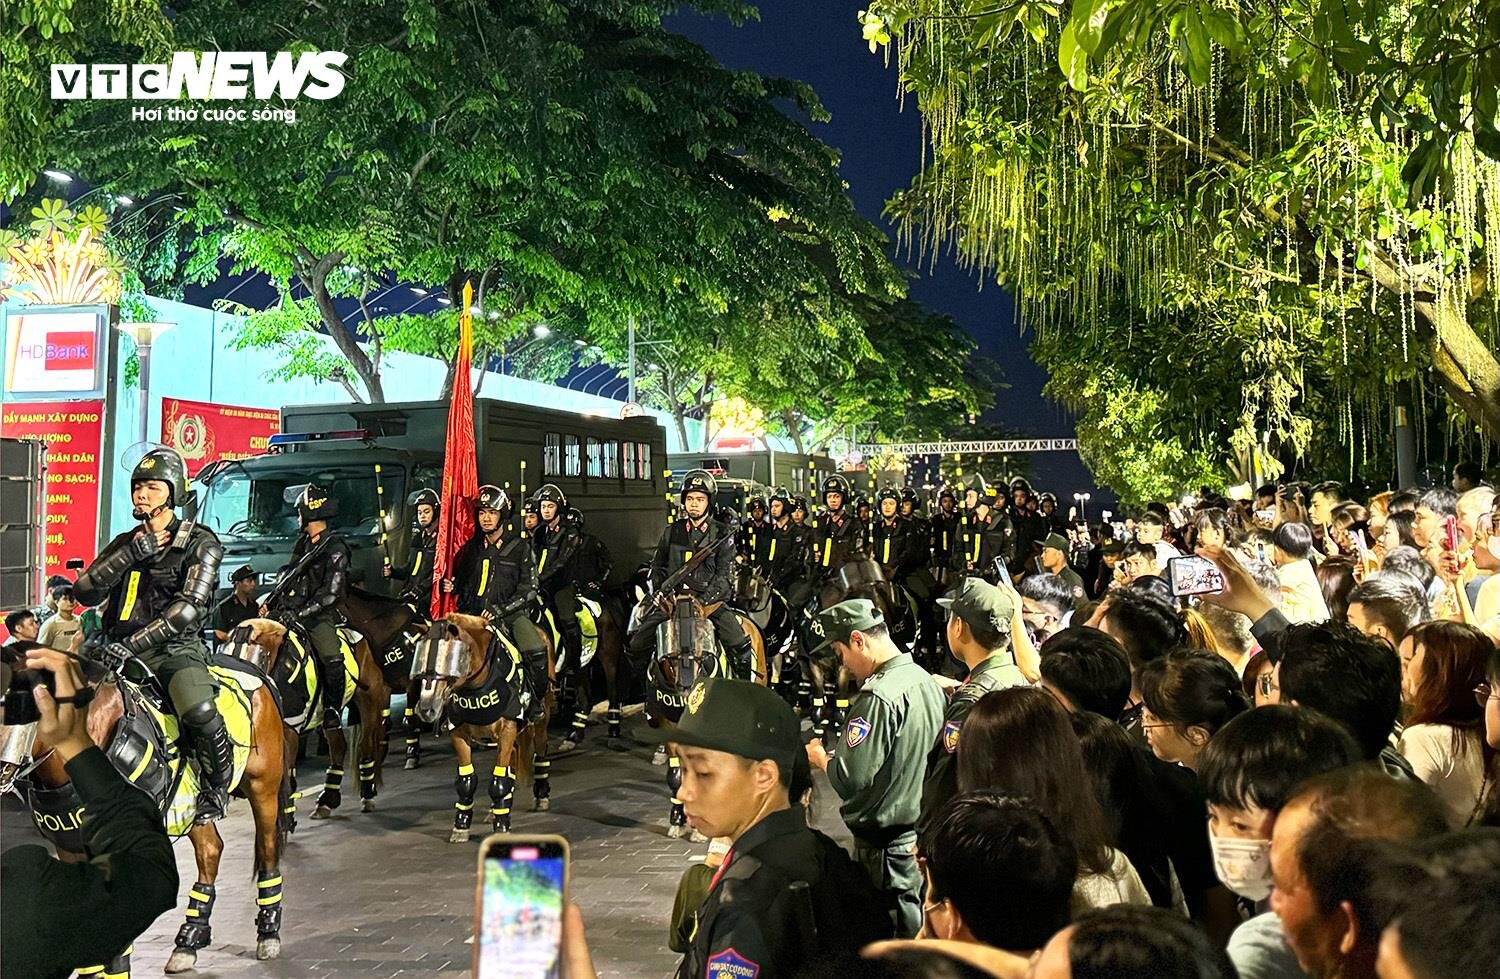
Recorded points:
1244,866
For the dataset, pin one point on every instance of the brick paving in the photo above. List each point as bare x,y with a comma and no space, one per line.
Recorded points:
384,894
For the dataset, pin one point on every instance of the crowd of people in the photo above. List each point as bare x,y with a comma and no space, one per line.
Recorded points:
1289,774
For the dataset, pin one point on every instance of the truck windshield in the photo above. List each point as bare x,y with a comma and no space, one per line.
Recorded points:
242,503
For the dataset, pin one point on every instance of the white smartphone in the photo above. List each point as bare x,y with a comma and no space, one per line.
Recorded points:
1194,575
518,907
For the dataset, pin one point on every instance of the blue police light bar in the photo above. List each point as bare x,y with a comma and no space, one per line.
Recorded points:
283,439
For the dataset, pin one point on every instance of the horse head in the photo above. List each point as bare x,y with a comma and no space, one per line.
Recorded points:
686,652
452,651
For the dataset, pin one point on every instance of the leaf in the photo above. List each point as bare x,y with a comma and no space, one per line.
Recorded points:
1072,59
1223,27
1193,46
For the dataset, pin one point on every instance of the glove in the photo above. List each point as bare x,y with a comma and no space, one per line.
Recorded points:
113,656
142,546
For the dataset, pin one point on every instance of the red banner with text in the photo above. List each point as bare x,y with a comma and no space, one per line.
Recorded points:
205,432
73,432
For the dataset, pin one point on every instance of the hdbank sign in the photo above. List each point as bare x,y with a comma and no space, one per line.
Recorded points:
209,76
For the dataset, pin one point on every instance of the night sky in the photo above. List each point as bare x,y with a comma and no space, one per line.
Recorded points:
818,42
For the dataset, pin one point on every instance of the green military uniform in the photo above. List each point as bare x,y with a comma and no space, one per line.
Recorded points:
877,771
1073,579
978,604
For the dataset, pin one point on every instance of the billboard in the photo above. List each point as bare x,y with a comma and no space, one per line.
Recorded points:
73,432
55,352
204,432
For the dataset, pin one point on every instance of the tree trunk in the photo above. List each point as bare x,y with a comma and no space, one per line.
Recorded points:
793,430
679,415
314,276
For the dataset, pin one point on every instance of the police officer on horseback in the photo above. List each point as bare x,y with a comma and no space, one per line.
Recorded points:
556,544
710,583
786,555
495,577
418,575
154,584
838,535
593,564
308,595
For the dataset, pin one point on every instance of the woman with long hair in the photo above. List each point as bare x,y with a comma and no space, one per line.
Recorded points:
1336,580
1397,532
1487,695
1019,742
1442,666
1189,694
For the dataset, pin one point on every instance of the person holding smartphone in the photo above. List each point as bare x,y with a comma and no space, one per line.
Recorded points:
785,895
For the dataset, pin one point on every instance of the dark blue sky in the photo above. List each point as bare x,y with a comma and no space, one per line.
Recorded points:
818,42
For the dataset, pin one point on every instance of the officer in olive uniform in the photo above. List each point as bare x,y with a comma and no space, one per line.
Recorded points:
555,544
308,595
979,620
877,772
238,605
494,576
710,582
786,896
1054,560
418,575
838,537
156,583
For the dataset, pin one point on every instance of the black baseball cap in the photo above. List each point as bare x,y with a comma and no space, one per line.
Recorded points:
243,573
738,717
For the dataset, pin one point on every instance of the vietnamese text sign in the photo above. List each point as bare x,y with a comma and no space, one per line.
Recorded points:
73,432
205,433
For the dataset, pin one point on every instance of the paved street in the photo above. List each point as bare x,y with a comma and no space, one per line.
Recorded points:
384,894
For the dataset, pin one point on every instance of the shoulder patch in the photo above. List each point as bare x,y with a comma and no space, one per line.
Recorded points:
730,964
950,736
856,731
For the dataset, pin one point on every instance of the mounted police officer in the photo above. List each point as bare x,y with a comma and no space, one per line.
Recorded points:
419,573
710,583
945,525
556,544
984,535
838,537
155,584
309,594
494,577
901,547
787,550
593,564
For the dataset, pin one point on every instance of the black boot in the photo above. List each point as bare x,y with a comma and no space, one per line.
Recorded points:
208,739
331,679
536,678
742,661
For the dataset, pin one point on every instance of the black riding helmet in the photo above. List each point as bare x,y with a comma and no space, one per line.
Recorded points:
889,493
836,484
166,466
317,503
574,516
549,493
697,481
424,496
495,498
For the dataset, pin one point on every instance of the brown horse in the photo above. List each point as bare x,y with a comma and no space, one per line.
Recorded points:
264,783
609,652
296,678
392,628
488,685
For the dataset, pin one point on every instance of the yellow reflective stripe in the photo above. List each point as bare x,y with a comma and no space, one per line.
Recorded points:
945,540
417,564
976,547
502,771
772,555
145,760
465,769
484,576
543,562
827,550
132,589
267,901
190,912
273,882
687,556
200,896
886,553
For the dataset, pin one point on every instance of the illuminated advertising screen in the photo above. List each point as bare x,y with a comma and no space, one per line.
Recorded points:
55,352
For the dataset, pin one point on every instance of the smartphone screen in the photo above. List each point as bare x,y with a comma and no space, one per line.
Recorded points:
1194,576
522,884
1001,571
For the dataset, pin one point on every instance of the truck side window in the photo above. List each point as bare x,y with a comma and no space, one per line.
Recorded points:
552,455
572,452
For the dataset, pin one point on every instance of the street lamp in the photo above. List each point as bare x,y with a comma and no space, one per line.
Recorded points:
1082,499
144,335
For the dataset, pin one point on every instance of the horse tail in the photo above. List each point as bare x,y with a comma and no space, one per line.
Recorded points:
531,740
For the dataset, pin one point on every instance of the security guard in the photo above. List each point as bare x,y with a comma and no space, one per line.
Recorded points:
1054,560
710,582
555,544
893,723
308,596
495,578
157,581
838,535
238,605
786,895
418,575
979,620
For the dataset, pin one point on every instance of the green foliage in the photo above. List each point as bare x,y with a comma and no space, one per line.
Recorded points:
1208,213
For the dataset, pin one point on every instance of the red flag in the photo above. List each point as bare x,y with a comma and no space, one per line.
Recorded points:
460,471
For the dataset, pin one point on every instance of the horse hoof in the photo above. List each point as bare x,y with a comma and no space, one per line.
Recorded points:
322,812
458,836
411,765
542,805
675,832
268,948
367,805
660,757
181,960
